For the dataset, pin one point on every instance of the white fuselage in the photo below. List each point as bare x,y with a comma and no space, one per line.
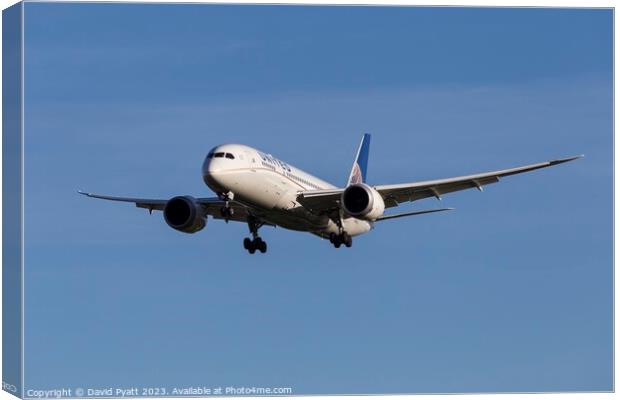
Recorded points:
269,187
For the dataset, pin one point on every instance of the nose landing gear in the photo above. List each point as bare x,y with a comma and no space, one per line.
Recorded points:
256,243
226,211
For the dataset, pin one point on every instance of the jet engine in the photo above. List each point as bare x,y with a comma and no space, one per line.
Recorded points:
361,201
184,214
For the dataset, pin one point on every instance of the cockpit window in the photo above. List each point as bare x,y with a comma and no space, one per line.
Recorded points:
221,155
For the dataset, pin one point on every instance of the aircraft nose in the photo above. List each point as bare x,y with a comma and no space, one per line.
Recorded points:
211,170
211,167
210,164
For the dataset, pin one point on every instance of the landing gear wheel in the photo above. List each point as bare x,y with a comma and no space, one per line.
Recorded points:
251,245
339,240
256,243
335,239
332,238
347,239
261,245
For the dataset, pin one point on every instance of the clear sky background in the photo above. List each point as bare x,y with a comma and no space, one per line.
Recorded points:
510,292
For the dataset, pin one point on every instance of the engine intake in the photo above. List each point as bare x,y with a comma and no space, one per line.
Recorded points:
184,214
362,201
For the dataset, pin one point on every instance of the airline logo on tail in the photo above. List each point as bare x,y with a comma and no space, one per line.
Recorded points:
360,165
356,175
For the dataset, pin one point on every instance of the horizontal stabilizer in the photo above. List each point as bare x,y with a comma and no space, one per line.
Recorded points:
408,214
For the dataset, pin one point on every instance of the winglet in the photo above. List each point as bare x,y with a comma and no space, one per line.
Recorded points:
567,159
360,165
87,194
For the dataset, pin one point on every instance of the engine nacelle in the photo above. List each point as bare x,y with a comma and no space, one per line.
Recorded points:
361,201
184,214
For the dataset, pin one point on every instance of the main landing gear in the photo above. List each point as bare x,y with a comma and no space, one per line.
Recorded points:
338,240
252,245
256,243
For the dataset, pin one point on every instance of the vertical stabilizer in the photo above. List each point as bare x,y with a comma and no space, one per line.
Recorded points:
360,165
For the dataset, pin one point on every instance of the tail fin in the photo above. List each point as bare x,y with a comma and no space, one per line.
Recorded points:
358,172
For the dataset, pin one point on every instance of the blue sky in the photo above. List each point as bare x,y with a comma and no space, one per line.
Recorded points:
510,292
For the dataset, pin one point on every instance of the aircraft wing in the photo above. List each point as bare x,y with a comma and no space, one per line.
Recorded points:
393,195
325,201
320,201
211,205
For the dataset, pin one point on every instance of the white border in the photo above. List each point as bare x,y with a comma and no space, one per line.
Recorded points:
478,3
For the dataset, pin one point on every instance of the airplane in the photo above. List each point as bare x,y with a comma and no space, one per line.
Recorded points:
259,189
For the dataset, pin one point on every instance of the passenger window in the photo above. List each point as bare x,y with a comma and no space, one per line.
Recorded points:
228,155
218,155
